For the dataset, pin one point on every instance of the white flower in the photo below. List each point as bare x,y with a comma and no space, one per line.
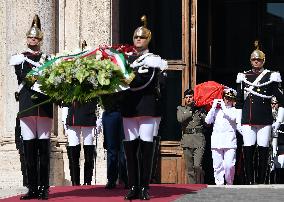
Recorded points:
99,55
93,81
58,80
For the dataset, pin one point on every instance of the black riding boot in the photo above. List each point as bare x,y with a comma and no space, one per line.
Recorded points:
131,149
263,154
248,163
90,154
73,153
146,149
44,162
30,152
156,142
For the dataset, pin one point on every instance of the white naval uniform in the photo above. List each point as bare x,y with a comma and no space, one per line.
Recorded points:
223,143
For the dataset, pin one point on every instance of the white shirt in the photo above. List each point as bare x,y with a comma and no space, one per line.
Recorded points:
224,129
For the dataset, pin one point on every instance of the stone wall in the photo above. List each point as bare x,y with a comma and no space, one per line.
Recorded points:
65,24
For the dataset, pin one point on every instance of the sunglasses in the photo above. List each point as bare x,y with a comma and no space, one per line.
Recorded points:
141,37
33,37
256,59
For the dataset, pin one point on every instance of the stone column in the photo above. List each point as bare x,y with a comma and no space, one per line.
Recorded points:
3,61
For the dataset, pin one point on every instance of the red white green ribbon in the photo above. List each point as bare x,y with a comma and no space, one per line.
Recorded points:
50,62
112,54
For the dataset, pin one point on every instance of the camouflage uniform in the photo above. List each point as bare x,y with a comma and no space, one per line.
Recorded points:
193,140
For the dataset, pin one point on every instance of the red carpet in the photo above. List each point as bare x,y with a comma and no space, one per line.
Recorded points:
159,193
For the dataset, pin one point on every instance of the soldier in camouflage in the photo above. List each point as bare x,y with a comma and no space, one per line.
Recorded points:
193,140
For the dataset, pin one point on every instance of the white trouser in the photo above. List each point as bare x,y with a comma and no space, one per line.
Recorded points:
35,127
224,164
256,134
144,127
74,132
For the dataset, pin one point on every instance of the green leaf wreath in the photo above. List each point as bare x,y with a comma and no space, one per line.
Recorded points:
81,78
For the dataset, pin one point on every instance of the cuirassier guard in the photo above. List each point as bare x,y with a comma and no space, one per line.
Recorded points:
141,114
255,89
36,123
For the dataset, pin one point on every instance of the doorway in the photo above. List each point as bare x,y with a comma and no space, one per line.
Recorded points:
227,30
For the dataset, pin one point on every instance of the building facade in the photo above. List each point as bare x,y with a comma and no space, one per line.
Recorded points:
202,40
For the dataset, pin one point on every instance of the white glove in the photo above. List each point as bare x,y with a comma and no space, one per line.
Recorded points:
223,106
137,64
142,68
214,105
64,113
274,147
275,126
17,59
274,153
156,62
36,87
99,126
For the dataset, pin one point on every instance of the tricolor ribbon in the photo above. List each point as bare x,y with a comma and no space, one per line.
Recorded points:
50,62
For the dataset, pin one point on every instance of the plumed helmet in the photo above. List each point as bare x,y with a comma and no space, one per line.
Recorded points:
143,31
230,93
188,92
257,54
274,100
35,30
